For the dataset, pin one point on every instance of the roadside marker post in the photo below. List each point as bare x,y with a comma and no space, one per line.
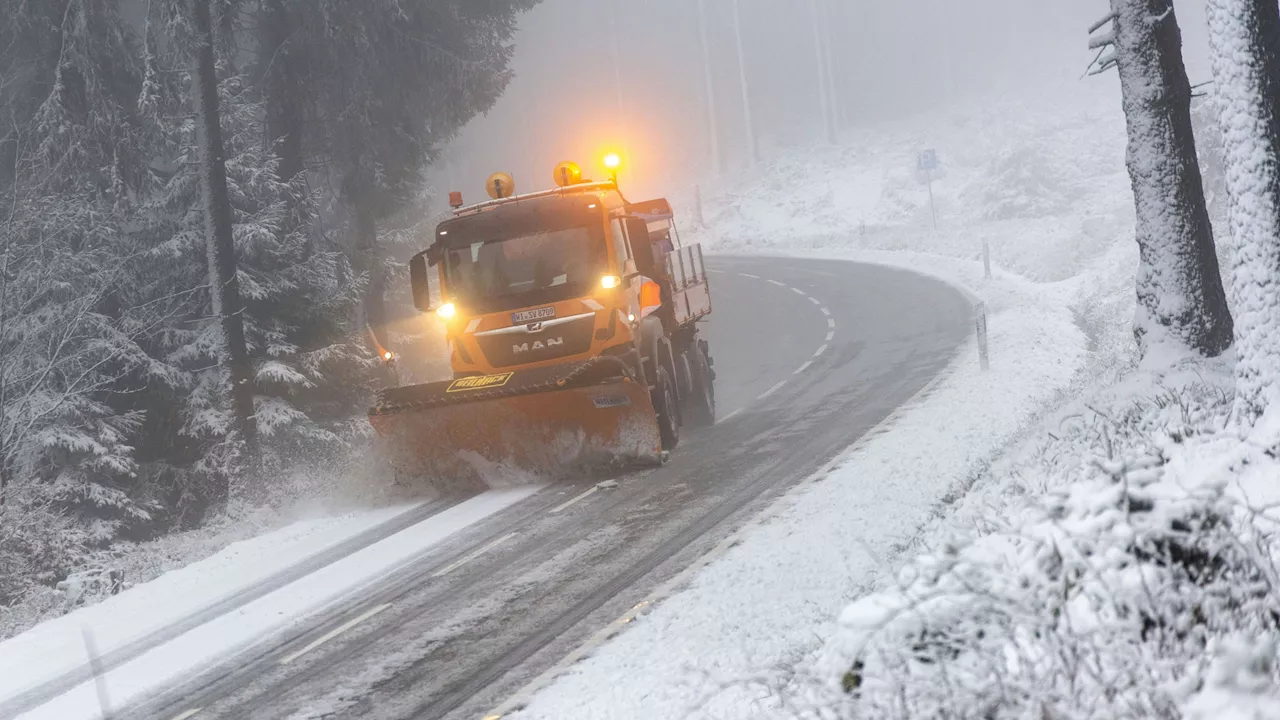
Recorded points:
981,326
927,162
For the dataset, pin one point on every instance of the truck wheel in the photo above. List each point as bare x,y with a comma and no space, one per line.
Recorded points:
701,408
664,402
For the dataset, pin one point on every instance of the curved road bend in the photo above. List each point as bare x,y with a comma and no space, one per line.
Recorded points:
809,354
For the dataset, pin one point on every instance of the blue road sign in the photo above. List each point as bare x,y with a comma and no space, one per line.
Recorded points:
927,161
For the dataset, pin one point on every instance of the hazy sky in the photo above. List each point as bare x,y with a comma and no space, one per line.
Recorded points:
892,58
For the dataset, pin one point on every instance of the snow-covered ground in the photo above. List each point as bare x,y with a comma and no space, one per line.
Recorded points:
757,631
58,646
1065,478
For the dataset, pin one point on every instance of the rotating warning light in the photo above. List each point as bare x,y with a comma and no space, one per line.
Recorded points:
447,311
567,173
500,185
612,161
609,282
387,355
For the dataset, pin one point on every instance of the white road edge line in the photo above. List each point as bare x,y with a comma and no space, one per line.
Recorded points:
325,638
803,367
831,322
730,415
771,390
749,275
830,334
775,282
583,496
819,351
522,696
474,554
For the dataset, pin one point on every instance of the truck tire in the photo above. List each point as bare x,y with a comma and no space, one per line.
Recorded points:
701,405
665,404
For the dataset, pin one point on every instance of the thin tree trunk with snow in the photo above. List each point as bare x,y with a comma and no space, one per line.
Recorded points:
746,86
1243,38
375,310
280,83
713,118
1179,286
824,86
225,288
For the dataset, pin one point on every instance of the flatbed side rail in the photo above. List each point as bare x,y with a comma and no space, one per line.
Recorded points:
690,290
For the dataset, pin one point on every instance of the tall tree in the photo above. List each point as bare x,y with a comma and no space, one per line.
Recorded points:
1244,41
389,82
223,271
1179,286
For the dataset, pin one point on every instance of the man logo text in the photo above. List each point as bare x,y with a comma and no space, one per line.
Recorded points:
537,345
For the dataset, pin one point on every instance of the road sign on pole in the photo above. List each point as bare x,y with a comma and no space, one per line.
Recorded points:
927,160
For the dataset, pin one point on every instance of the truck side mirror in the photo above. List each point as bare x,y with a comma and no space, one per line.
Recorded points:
420,280
641,246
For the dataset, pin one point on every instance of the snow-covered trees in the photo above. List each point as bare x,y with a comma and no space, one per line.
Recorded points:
1179,286
117,414
1244,38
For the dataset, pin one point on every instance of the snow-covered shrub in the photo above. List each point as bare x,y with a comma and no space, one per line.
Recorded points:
1022,182
1109,596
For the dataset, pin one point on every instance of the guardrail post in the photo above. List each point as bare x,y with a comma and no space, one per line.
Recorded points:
981,326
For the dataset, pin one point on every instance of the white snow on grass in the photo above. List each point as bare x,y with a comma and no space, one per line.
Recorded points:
740,624
1046,188
58,645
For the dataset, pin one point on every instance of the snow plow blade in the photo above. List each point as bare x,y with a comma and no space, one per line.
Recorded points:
541,421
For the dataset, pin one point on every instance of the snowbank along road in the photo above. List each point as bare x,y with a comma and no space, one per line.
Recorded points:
809,355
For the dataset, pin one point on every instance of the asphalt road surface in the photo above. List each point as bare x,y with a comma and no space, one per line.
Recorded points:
809,354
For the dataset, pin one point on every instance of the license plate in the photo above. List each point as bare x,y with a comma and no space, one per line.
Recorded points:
525,316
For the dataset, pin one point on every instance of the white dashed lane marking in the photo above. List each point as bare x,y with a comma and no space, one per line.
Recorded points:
454,566
819,351
831,323
329,636
771,390
830,334
749,275
775,282
803,367
798,291
594,489
814,300
733,414
825,311
187,714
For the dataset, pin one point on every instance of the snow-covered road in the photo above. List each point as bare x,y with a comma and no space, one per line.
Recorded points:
810,354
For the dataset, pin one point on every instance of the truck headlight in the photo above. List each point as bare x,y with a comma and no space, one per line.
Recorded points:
609,282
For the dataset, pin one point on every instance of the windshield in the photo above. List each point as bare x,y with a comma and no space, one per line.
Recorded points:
525,270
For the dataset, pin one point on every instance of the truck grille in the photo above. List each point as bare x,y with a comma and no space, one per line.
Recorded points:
536,342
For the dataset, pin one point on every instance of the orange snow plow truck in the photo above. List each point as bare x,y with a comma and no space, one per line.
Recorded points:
571,317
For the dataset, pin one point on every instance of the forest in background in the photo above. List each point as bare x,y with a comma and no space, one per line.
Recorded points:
148,375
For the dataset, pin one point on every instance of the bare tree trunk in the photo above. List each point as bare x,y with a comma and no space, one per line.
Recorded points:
1179,286
824,85
713,118
746,86
370,255
278,66
225,288
1243,38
